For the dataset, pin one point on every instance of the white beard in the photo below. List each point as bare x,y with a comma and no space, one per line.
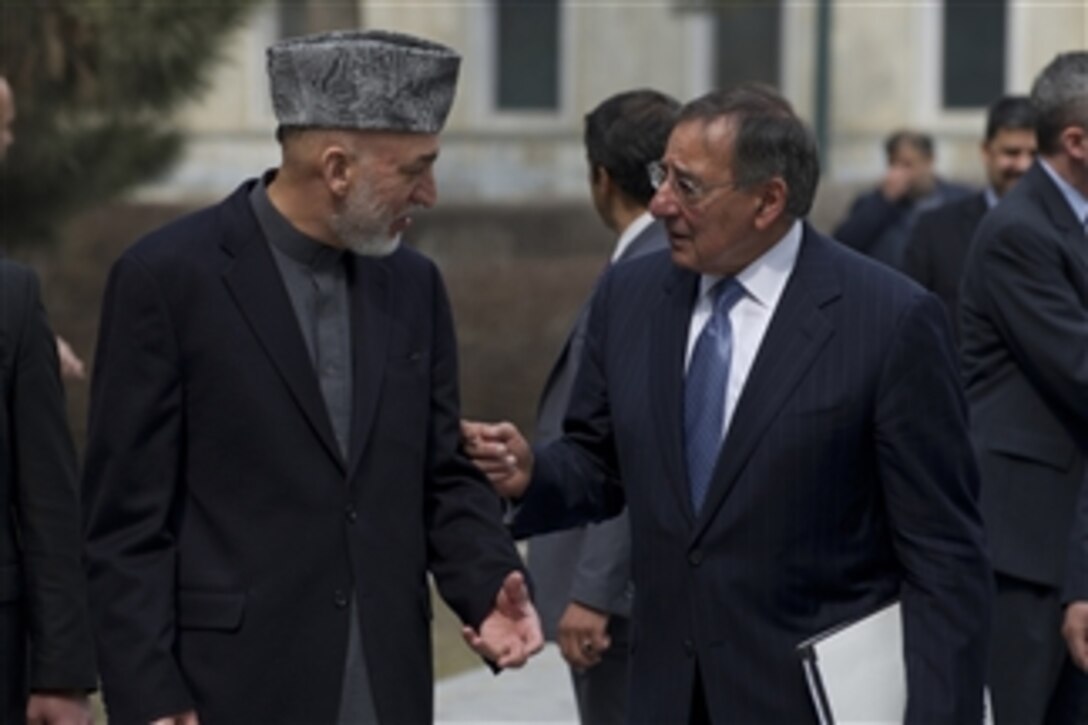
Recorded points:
362,224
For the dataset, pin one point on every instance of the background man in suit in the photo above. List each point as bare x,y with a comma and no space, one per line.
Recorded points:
46,658
582,577
1024,319
71,366
274,462
811,462
940,240
880,221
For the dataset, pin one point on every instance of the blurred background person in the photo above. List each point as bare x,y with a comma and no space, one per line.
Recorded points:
879,222
71,366
582,576
939,242
1024,321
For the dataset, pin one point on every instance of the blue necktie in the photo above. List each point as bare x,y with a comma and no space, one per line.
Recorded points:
704,390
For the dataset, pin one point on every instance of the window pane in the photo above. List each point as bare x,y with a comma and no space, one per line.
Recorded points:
974,52
747,42
528,54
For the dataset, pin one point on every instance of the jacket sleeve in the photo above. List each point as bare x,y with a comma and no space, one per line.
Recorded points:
131,484
869,215
46,506
930,484
603,573
471,552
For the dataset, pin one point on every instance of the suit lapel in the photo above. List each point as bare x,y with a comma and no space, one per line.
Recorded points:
257,289
371,311
798,331
669,333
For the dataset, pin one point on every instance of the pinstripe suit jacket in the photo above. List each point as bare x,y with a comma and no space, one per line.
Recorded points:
846,477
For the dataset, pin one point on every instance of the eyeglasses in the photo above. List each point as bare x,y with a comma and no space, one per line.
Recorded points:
689,190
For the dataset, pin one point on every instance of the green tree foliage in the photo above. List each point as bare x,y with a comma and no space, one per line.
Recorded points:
95,83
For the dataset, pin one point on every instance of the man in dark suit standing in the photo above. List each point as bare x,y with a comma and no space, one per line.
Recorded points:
1024,319
274,463
938,245
880,221
786,419
46,657
582,577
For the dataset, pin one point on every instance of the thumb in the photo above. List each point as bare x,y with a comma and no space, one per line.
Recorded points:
514,589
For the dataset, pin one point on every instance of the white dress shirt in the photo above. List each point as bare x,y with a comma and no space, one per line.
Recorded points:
633,229
763,281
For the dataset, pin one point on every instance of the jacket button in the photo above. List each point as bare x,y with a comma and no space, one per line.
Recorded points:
695,557
340,599
350,514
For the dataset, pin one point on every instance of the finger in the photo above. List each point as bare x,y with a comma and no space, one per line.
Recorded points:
494,468
476,643
517,594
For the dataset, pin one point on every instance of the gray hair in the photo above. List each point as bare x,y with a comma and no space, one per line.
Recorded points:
1060,95
771,141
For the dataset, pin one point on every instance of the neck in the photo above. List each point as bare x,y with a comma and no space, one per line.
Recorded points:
294,199
1075,174
622,212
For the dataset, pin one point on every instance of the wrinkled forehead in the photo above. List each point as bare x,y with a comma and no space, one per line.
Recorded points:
699,145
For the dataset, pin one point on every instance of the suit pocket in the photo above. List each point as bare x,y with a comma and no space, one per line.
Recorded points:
10,583
1053,452
221,611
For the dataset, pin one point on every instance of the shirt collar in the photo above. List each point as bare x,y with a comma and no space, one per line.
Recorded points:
283,235
765,278
991,197
1076,200
631,233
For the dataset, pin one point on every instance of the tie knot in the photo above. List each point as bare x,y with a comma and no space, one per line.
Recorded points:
727,293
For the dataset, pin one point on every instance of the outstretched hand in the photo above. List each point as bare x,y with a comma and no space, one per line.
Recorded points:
502,453
511,634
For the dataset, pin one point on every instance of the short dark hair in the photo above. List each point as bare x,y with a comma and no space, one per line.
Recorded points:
923,142
1060,95
769,141
286,133
627,131
1010,113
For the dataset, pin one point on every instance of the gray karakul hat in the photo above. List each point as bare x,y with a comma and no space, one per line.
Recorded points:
372,80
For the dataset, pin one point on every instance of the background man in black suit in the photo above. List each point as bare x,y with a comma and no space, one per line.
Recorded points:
1024,320
582,577
274,463
941,237
880,221
46,658
793,449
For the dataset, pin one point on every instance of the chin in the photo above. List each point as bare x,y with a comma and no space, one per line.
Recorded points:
375,246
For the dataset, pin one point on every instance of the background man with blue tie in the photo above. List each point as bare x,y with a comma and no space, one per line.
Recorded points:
811,462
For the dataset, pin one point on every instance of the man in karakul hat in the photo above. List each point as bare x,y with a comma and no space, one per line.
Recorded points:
273,462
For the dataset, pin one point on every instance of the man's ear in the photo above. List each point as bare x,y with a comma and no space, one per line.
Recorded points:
336,168
771,203
1074,142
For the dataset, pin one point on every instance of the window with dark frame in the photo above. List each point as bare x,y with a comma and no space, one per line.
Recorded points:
974,52
527,57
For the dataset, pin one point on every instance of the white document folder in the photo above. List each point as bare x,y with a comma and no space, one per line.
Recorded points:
856,674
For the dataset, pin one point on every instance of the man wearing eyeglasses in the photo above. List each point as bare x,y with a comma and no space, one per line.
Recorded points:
786,419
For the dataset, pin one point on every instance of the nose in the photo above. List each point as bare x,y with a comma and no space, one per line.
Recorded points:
425,193
663,204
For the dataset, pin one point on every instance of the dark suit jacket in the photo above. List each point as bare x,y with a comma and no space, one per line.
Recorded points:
226,533
1024,317
590,565
937,249
846,478
43,596
879,228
